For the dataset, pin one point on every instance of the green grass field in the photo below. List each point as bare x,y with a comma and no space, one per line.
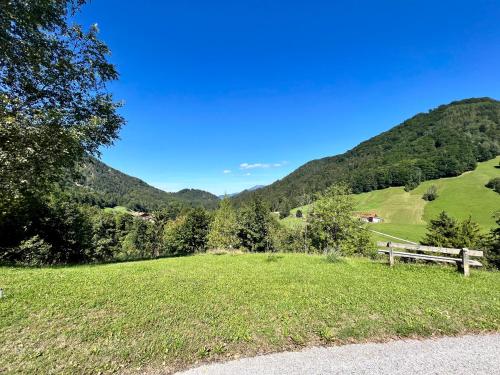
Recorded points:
117,209
406,214
172,313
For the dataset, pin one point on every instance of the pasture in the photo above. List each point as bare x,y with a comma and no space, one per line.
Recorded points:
173,313
406,214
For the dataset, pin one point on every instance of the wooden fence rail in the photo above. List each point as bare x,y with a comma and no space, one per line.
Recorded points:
463,262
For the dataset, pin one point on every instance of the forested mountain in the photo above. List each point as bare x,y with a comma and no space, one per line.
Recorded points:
253,188
101,185
444,142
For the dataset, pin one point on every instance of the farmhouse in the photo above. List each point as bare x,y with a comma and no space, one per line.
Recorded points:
370,217
143,215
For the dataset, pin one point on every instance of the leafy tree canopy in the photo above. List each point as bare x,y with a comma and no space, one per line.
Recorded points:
224,227
445,231
255,221
334,226
54,103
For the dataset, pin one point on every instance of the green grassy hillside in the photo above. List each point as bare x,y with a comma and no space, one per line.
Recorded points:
406,214
444,142
166,314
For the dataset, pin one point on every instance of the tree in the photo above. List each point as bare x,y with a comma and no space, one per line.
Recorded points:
197,225
334,226
442,231
445,231
492,253
224,227
54,104
105,237
174,237
59,232
284,209
255,219
136,242
187,234
469,234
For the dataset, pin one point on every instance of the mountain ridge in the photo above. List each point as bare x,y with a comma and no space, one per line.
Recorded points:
443,142
102,185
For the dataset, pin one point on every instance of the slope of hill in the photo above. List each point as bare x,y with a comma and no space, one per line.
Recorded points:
107,187
406,214
253,188
444,142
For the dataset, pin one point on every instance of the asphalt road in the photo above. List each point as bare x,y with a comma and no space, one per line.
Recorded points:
471,355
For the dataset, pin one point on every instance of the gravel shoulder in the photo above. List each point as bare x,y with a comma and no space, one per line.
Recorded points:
450,355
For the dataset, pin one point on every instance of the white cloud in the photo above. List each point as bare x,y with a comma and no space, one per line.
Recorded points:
227,171
246,166
248,174
253,166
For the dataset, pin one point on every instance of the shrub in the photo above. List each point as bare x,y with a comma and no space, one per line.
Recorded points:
431,194
187,234
333,224
284,213
35,252
287,239
494,184
409,186
273,257
333,256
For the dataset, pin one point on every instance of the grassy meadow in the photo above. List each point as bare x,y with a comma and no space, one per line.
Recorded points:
173,313
406,214
117,209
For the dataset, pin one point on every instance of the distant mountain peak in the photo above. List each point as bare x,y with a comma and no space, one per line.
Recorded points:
253,188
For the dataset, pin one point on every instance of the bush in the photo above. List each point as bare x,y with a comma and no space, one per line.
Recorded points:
333,224
273,258
431,194
46,232
409,186
333,256
35,252
284,213
494,184
287,239
187,234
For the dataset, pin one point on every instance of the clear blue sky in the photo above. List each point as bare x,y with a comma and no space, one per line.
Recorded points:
210,86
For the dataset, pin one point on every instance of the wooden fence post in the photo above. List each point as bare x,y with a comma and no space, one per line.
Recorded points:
465,262
391,255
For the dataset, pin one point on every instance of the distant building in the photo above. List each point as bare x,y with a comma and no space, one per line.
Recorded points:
143,215
370,217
